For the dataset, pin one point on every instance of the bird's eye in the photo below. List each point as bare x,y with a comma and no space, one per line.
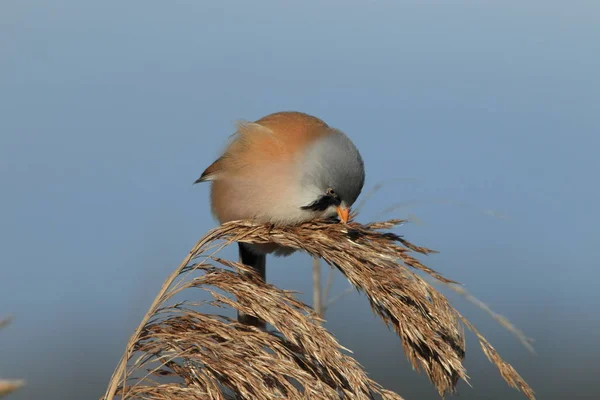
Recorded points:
330,192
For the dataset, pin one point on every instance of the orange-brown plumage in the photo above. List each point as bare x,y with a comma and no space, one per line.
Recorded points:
272,139
259,152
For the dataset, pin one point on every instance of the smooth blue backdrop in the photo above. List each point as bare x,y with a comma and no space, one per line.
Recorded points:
482,119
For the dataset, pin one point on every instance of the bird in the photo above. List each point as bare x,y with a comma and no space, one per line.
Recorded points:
283,169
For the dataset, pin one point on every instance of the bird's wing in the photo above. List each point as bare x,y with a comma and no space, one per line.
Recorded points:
211,172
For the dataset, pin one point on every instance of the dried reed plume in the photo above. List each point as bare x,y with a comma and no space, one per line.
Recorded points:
180,352
8,386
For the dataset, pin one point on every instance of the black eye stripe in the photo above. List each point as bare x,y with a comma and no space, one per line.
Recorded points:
322,203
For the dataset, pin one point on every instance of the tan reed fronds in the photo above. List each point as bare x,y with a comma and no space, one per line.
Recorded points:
8,386
210,356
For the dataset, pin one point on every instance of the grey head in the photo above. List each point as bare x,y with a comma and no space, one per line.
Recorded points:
333,174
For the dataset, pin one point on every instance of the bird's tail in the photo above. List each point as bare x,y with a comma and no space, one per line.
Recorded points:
259,263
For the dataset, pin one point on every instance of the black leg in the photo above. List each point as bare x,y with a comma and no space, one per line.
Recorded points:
258,262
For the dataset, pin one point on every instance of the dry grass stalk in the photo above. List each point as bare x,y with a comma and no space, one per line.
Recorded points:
500,319
214,357
8,386
318,306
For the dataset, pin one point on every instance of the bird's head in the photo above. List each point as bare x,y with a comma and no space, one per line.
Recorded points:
332,175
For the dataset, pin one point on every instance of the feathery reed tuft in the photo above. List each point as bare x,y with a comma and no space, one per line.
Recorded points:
198,355
8,386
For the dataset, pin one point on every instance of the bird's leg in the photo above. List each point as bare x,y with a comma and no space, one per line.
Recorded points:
258,263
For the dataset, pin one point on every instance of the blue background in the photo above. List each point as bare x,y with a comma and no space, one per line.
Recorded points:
481,118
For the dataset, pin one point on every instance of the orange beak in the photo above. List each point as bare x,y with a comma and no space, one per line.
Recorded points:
343,213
